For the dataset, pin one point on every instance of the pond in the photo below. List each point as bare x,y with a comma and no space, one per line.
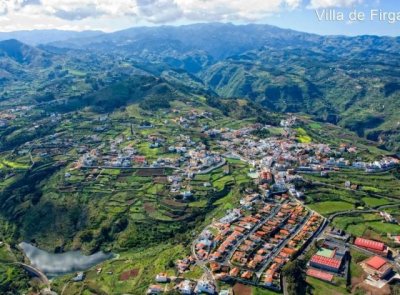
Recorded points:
58,264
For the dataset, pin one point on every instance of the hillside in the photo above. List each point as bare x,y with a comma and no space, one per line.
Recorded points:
350,81
359,91
23,54
196,151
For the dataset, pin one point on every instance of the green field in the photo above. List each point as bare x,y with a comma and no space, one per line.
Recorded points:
318,287
375,202
302,136
147,262
329,207
367,225
13,165
261,291
385,183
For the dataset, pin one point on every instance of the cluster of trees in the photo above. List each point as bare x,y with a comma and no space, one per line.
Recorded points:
295,277
13,280
232,108
154,103
261,133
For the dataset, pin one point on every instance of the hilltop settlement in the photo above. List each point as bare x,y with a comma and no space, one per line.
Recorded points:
185,160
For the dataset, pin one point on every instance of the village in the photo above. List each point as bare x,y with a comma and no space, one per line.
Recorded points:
252,243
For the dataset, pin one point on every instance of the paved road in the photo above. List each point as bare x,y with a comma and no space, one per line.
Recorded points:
283,245
203,264
36,272
353,212
208,170
350,212
256,228
65,287
284,285
131,167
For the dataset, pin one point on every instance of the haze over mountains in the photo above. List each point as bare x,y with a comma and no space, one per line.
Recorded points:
350,81
36,37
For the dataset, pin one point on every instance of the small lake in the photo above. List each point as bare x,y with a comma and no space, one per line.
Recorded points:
58,264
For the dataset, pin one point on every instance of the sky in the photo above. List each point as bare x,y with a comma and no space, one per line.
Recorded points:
113,15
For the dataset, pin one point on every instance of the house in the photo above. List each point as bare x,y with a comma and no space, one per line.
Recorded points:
80,276
234,272
266,177
247,275
186,287
139,159
3,123
373,246
205,287
155,289
376,266
162,278
186,195
388,217
145,125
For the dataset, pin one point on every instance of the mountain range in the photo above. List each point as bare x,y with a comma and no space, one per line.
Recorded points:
350,81
36,37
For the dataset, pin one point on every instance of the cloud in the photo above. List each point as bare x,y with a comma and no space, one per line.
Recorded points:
30,2
111,15
292,4
158,11
7,6
153,11
70,9
78,13
316,4
3,9
219,10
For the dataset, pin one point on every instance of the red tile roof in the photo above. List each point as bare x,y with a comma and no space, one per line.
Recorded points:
369,244
319,274
331,262
376,262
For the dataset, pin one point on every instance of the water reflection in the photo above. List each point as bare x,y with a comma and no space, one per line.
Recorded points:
57,264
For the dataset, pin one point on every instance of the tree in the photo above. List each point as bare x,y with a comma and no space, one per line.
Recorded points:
295,277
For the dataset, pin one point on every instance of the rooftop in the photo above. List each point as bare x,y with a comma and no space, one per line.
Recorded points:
370,244
331,262
326,253
376,262
320,274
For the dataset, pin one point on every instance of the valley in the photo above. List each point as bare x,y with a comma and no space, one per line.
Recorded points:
206,158
124,182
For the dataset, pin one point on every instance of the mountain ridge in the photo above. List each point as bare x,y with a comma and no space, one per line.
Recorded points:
350,81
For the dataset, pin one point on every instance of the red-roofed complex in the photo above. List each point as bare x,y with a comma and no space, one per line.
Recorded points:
326,263
370,245
320,275
376,266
